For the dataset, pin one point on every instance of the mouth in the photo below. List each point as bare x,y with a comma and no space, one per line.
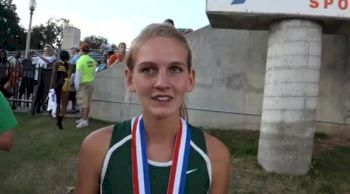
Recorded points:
162,98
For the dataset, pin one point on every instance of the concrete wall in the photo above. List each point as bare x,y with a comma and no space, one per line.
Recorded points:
108,99
230,67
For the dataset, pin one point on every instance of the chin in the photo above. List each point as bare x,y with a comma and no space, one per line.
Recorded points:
162,113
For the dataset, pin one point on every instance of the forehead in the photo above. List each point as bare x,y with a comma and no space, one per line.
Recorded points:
161,49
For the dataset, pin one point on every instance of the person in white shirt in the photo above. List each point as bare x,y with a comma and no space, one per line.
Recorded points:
48,57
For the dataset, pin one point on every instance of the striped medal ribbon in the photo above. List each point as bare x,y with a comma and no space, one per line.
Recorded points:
140,173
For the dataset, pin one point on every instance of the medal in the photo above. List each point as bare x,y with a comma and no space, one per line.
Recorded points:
140,173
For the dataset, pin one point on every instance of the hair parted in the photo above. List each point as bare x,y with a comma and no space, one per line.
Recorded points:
154,31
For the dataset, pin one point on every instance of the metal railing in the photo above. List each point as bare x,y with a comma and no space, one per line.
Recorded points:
94,53
25,85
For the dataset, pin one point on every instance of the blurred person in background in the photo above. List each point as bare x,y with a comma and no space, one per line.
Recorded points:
72,94
4,66
60,82
83,83
182,30
118,56
105,47
48,57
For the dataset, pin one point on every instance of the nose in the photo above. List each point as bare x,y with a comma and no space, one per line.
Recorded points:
162,81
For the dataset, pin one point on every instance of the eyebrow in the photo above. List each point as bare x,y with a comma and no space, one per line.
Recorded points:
153,63
147,63
177,63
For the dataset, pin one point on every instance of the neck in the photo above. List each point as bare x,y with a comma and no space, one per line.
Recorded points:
161,130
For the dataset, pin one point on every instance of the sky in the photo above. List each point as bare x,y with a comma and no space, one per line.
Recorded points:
118,21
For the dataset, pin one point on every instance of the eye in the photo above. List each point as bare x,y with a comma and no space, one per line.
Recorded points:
175,69
148,70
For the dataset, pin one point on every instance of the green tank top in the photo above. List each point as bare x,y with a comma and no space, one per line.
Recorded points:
116,175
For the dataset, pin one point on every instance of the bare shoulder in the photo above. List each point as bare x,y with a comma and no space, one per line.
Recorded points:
98,140
92,153
93,150
220,159
216,149
96,144
57,63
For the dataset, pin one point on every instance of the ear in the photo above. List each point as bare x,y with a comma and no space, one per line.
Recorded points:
191,80
129,80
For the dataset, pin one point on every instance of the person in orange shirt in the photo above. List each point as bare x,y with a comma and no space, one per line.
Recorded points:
117,56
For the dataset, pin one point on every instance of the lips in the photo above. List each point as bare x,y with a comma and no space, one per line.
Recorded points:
162,98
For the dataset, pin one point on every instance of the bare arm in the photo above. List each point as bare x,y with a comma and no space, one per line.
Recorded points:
77,79
115,62
44,58
92,153
54,75
221,165
6,140
118,60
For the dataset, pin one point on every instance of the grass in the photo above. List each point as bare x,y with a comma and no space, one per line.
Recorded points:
329,172
44,158
44,161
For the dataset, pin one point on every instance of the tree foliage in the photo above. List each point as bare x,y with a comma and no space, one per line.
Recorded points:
95,41
12,35
49,33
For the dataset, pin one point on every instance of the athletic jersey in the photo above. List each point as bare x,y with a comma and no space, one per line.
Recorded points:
63,74
63,67
116,175
87,66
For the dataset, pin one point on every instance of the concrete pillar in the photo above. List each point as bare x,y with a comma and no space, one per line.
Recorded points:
71,37
290,96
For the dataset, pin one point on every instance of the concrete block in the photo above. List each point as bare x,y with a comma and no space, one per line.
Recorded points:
288,49
291,89
284,103
289,75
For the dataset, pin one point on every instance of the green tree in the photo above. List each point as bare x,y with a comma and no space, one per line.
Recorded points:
12,35
95,41
37,37
49,33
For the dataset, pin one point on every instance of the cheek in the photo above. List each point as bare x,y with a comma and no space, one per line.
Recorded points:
142,86
182,84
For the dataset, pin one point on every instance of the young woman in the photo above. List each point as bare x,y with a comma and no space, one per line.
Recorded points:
60,82
157,152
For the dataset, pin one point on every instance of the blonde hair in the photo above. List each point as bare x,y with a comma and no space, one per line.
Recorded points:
154,31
